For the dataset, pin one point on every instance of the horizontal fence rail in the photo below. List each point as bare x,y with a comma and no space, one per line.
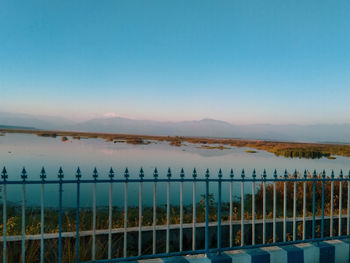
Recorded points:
225,212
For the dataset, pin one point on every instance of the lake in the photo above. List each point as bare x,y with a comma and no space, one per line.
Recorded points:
33,152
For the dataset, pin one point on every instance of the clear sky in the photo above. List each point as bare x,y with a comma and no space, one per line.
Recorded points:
241,61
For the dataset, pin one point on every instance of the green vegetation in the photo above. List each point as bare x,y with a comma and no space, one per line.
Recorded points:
250,151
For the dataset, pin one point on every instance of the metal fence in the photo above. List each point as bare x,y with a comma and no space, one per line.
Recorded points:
252,229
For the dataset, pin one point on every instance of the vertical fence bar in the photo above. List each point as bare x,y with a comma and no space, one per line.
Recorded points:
219,212
155,174
42,229
264,207
194,175
93,252
181,211
167,249
207,211
253,207
242,208
348,208
110,215
314,205
295,207
340,202
140,213
24,176
231,208
78,176
285,206
322,221
125,246
4,216
304,206
60,190
331,216
274,206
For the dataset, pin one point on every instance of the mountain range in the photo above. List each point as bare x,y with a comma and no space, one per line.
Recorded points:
338,133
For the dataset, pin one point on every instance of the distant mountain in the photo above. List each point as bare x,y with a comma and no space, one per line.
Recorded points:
204,128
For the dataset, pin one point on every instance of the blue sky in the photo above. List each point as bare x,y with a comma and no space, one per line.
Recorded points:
240,61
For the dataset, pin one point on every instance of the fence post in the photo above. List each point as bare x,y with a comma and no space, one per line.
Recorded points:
253,207
141,175
231,208
182,175
4,176
94,175
78,176
274,205
340,202
314,205
110,211
207,211
285,206
167,249
219,212
332,200
264,206
60,176
24,177
304,206
194,175
322,222
242,208
295,206
155,175
126,175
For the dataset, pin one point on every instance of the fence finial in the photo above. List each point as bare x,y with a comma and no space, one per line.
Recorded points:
155,173
95,173
182,173
111,173
60,173
231,173
332,174
78,173
207,173
275,173
220,173
126,173
254,174
341,173
323,174
285,173
42,173
305,173
295,173
4,173
194,174
314,174
24,174
141,174
242,174
169,173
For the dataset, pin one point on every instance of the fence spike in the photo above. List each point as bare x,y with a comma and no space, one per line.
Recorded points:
285,173
264,174
126,173
194,174
332,174
155,173
341,173
182,173
295,173
24,174
169,173
323,174
305,173
142,174
95,173
111,173
275,173
254,174
43,173
4,173
220,173
207,173
314,174
78,173
231,173
60,173
242,174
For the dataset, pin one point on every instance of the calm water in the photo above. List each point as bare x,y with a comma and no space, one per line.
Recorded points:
33,152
